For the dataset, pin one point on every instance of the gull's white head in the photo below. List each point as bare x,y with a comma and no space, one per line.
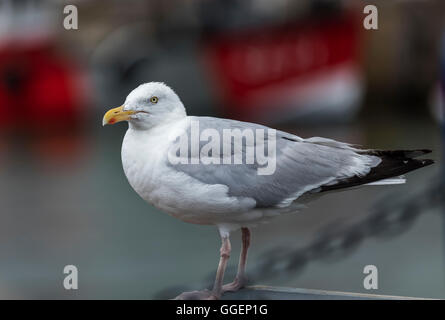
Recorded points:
147,106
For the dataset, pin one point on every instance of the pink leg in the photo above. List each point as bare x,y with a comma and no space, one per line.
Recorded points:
217,287
240,280
224,257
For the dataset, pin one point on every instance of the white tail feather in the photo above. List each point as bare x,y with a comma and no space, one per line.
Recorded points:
396,180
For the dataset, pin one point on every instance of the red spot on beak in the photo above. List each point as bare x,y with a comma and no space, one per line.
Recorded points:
112,120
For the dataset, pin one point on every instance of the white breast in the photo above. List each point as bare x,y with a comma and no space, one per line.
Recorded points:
145,163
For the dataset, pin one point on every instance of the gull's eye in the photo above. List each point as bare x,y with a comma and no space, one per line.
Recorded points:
154,99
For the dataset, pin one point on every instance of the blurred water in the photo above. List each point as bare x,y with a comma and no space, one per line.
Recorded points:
85,213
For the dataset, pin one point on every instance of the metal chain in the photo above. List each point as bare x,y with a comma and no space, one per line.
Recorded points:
388,220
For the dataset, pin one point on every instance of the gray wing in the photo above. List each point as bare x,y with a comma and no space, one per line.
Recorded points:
301,165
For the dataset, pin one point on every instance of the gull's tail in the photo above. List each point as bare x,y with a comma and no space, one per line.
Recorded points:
394,163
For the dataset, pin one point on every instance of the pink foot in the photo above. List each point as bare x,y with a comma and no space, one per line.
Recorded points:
197,295
235,285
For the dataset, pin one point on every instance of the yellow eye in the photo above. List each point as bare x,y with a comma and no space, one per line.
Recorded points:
154,99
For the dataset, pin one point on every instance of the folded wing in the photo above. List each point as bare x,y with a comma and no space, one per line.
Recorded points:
301,165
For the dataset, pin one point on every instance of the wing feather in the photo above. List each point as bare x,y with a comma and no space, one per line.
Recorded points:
302,165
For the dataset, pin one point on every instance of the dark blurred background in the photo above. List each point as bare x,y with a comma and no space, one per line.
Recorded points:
308,67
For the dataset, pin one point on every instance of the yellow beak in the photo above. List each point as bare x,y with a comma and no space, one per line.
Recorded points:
116,115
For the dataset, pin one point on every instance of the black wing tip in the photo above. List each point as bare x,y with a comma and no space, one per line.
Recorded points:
426,162
394,163
411,164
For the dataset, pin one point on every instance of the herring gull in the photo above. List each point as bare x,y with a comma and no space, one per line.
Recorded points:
235,175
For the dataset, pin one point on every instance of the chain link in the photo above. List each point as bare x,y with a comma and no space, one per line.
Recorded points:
391,218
